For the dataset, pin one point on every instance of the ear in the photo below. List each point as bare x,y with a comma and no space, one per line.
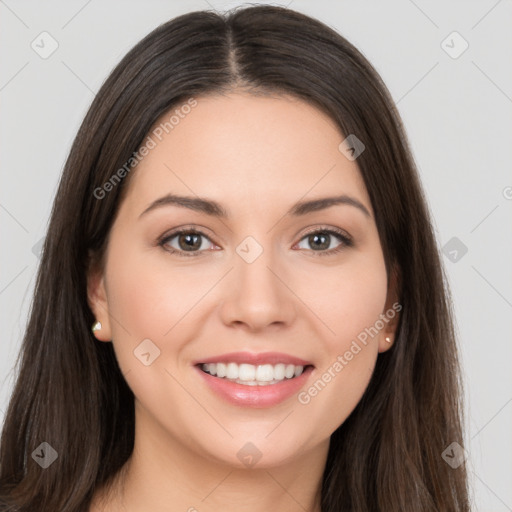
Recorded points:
97,300
390,316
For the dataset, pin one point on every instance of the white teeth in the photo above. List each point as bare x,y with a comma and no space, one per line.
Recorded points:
279,371
289,371
232,371
220,370
252,375
246,372
265,373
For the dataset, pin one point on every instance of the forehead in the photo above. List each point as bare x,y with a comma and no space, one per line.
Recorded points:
244,149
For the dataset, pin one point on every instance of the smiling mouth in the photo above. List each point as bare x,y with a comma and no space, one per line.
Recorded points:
253,375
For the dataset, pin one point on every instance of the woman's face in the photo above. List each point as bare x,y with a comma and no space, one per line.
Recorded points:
265,288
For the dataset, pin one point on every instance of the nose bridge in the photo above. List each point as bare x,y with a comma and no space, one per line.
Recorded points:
257,294
255,259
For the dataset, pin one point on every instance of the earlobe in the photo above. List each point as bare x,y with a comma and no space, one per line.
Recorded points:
391,314
385,343
98,302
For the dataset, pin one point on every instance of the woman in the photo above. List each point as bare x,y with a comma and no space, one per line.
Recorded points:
240,302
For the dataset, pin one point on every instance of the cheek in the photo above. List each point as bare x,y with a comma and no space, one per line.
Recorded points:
350,303
360,301
150,299
150,295
348,299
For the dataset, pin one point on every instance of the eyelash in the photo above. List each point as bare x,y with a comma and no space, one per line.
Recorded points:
346,241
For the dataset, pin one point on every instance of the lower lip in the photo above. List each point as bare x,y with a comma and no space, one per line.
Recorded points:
255,396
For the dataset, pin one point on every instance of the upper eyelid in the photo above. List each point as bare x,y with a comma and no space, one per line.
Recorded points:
179,231
334,231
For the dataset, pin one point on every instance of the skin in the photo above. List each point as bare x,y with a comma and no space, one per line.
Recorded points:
256,156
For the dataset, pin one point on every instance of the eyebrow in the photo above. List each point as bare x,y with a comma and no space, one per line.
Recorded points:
210,207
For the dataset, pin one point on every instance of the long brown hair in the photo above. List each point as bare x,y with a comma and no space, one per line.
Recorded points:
69,390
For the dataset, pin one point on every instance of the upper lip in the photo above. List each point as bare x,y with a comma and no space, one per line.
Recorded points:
255,359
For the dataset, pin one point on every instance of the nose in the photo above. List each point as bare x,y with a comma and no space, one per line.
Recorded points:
258,294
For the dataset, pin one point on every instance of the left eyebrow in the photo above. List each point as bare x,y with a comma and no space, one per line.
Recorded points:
210,207
305,207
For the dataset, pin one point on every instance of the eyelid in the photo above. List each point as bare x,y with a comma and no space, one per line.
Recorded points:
327,229
164,239
345,238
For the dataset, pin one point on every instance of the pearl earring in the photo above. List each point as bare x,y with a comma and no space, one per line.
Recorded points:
388,339
96,327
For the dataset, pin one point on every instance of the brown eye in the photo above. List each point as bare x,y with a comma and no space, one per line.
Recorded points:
185,241
189,241
320,241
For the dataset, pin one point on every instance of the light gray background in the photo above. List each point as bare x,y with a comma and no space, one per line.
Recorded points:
457,112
